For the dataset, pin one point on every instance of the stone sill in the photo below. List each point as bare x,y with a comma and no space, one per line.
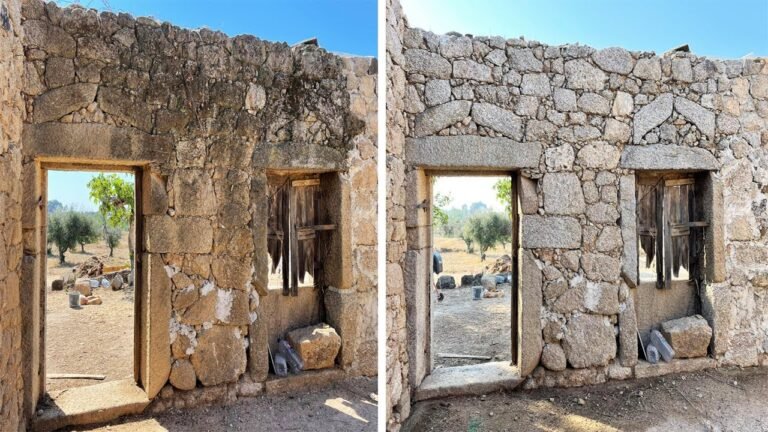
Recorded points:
97,403
300,382
647,370
469,380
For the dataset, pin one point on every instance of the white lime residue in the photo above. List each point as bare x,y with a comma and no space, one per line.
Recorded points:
206,288
171,270
223,305
252,317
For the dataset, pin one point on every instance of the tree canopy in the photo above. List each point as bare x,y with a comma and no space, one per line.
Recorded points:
115,198
487,229
439,216
68,229
503,190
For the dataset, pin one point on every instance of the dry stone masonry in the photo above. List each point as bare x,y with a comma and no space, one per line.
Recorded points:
11,115
577,124
202,118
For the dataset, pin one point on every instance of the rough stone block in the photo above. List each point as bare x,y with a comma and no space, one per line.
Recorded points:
652,115
530,301
183,375
220,355
589,341
550,232
562,194
178,235
689,336
437,118
498,119
58,102
317,345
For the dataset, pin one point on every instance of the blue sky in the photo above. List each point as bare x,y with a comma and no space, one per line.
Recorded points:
69,188
716,28
344,26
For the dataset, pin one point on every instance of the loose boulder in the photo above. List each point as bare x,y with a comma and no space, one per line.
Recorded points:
488,281
446,282
117,282
689,336
57,284
317,345
83,286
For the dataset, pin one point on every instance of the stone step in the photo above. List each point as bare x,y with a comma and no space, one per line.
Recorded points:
469,380
304,380
93,404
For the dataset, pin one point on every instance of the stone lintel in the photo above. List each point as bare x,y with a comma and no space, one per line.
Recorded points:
95,143
471,152
668,157
298,157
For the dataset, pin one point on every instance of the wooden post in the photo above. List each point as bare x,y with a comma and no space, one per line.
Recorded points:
660,237
667,257
514,209
286,227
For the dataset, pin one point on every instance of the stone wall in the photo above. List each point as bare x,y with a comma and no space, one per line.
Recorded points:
204,118
397,391
11,115
577,124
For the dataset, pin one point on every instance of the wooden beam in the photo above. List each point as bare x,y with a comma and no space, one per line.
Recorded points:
679,182
75,376
305,182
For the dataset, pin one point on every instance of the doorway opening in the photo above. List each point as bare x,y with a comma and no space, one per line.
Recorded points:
90,298
474,270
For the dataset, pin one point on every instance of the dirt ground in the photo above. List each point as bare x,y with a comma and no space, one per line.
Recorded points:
96,339
714,400
346,406
461,325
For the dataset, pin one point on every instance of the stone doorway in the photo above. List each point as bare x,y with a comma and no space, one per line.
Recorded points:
105,380
471,346
473,270
90,307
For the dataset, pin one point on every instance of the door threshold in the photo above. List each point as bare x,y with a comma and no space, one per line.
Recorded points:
469,380
93,404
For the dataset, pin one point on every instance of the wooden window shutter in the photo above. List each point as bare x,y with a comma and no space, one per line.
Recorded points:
293,231
669,228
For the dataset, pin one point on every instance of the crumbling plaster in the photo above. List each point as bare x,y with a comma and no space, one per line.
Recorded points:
202,118
600,116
